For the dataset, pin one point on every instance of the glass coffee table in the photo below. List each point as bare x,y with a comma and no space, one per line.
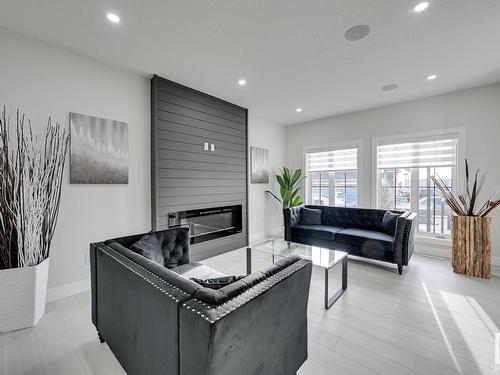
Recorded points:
319,256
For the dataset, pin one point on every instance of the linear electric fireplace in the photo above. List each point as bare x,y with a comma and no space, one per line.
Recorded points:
208,223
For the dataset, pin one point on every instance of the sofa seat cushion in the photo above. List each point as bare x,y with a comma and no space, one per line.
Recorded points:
196,271
365,239
321,232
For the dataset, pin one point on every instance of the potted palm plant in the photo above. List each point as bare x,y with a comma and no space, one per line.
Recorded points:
31,173
471,234
290,185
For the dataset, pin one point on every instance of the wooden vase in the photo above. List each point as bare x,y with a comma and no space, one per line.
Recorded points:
472,246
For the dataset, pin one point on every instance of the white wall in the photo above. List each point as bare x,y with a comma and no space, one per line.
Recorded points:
265,213
478,110
42,80
45,81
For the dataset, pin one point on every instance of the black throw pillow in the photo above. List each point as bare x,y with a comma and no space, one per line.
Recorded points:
389,222
310,216
217,282
149,246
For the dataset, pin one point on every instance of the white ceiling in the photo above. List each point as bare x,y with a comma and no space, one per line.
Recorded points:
291,52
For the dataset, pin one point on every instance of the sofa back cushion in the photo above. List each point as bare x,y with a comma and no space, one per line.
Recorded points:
362,218
176,247
175,280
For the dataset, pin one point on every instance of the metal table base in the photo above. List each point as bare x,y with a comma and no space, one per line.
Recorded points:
329,301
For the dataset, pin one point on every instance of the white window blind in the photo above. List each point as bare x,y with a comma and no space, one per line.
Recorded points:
336,160
435,153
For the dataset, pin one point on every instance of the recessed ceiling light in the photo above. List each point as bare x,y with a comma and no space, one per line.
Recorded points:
113,17
389,87
298,110
242,82
420,7
431,77
357,32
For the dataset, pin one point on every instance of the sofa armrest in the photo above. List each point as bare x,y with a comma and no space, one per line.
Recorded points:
267,322
404,238
135,308
291,218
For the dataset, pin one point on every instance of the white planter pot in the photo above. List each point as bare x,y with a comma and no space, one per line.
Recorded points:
23,293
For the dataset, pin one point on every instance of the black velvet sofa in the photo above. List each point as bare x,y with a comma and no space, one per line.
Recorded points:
360,232
156,320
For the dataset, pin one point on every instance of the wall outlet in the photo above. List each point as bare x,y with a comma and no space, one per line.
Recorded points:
205,146
212,147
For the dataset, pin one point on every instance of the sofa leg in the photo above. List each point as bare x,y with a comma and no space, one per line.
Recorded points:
101,339
400,269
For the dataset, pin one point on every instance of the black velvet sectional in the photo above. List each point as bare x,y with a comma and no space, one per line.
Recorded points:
157,320
382,235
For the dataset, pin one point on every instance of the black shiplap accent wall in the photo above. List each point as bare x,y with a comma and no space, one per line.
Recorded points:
183,175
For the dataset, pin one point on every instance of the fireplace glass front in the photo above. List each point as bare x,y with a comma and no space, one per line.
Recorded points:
209,223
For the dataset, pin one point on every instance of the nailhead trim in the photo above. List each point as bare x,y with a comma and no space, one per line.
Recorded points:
406,235
142,277
148,271
252,292
246,296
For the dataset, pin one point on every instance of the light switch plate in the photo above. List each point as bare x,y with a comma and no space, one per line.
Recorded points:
212,147
205,146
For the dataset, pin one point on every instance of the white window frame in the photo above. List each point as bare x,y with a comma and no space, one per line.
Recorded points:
358,143
458,133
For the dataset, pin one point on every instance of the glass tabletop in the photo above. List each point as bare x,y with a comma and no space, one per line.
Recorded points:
318,255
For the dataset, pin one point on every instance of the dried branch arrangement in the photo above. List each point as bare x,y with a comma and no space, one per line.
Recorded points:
466,204
31,173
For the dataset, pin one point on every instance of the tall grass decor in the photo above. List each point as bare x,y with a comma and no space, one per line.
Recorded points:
31,174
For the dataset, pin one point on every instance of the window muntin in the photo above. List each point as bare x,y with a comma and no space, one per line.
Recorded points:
404,183
332,177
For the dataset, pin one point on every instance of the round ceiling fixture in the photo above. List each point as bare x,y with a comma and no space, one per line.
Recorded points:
389,87
420,7
113,17
298,110
357,32
242,82
431,77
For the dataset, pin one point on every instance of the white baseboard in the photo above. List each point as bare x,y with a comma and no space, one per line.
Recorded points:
442,249
68,290
81,286
261,235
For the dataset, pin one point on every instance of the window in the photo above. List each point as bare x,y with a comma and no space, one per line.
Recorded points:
332,177
404,182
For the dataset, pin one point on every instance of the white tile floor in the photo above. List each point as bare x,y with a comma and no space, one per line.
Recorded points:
428,321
